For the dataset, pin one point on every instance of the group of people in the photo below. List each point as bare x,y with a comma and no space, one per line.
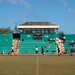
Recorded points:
72,43
72,50
36,50
3,52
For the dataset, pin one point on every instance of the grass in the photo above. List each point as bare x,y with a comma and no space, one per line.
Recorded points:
27,65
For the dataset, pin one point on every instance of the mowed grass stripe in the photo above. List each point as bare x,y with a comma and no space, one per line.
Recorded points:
17,65
27,65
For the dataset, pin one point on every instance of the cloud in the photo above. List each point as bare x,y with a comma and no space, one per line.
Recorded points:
23,2
25,17
71,13
71,10
12,1
65,4
72,17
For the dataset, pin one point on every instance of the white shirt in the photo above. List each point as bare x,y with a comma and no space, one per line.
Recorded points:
36,49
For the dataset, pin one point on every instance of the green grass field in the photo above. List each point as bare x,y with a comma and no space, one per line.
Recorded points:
28,65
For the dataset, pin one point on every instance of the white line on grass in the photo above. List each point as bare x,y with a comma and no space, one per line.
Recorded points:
37,65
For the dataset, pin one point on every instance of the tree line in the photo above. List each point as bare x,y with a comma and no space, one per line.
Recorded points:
5,30
9,30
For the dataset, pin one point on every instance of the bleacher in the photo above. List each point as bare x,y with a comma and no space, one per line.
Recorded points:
5,43
67,47
28,44
69,38
51,49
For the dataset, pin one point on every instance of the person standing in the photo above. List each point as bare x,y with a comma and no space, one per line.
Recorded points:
58,50
3,52
36,52
42,51
72,50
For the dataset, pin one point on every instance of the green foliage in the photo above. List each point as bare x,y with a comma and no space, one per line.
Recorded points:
61,32
5,30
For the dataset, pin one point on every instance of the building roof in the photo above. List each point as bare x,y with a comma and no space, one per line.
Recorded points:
38,25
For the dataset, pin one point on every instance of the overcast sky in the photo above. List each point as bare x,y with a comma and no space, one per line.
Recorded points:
61,12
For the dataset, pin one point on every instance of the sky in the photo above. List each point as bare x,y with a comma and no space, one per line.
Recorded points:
60,12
